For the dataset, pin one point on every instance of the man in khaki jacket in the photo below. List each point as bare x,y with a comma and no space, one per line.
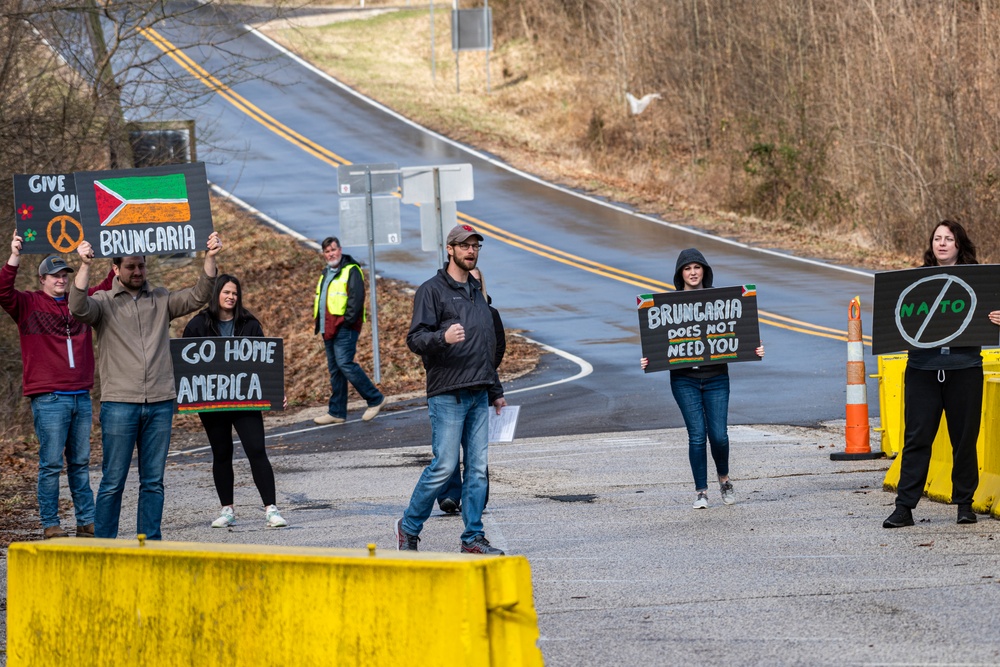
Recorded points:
131,322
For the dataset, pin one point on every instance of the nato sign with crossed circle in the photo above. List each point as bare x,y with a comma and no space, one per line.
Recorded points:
65,233
941,306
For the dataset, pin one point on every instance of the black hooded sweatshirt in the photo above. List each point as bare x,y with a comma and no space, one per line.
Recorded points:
694,256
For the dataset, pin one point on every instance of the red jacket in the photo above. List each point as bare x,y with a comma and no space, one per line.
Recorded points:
45,325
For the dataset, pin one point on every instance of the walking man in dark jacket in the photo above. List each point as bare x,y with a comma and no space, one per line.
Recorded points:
339,311
452,331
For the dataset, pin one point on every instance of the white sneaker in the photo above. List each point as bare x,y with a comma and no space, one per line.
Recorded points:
728,495
701,502
273,518
226,518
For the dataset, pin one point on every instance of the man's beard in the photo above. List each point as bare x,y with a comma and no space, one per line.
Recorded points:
465,265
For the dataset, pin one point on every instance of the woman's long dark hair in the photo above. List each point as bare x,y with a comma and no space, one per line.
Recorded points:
240,314
966,248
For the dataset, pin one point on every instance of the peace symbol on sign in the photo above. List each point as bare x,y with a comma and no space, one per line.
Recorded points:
64,242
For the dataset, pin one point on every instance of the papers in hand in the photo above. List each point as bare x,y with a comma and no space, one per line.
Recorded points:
502,425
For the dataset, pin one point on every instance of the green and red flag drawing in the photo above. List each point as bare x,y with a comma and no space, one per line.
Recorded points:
142,199
162,210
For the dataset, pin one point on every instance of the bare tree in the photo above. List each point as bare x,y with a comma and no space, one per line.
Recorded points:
876,118
123,52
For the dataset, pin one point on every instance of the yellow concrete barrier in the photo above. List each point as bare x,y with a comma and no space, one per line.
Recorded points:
890,401
987,498
113,602
891,406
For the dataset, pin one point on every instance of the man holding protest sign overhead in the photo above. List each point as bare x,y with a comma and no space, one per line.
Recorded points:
339,311
452,331
132,322
58,357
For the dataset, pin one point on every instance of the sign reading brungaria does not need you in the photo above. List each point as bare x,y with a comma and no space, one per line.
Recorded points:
941,306
699,327
216,374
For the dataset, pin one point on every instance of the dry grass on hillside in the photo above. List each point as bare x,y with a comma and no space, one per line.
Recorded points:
541,116
279,277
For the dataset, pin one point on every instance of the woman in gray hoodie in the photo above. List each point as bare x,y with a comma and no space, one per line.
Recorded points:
702,394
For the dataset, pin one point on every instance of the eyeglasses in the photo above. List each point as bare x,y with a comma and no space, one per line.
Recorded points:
468,246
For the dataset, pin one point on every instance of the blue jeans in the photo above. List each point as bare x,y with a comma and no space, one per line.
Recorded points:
62,423
453,488
459,421
705,407
340,362
126,427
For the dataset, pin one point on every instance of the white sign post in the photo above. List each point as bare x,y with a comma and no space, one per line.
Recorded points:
436,189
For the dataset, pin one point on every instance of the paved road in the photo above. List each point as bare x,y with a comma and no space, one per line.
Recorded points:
561,266
799,572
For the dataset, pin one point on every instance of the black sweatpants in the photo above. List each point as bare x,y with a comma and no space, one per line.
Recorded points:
250,427
960,396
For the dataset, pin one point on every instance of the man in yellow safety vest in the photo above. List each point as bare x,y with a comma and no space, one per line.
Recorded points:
339,311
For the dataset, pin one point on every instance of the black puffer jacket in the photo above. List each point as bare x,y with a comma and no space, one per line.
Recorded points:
439,303
203,326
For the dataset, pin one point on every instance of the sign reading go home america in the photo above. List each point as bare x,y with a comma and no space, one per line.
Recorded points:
217,374
940,306
698,327
154,211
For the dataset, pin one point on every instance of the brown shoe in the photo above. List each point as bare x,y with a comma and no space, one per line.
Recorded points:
55,531
85,531
323,420
371,412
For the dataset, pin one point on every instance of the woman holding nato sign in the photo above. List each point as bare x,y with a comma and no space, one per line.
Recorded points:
948,379
226,316
702,394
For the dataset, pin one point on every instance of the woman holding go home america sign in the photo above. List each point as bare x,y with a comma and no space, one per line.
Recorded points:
948,379
702,394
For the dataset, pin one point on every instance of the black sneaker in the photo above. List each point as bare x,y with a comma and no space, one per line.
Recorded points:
966,515
480,545
900,517
404,541
449,505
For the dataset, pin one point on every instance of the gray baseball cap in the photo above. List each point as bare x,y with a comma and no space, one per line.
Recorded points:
462,233
53,264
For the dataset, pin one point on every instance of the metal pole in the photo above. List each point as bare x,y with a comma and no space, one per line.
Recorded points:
489,40
433,65
438,215
370,215
458,43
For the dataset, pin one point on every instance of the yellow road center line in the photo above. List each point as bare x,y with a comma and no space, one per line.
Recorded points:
326,155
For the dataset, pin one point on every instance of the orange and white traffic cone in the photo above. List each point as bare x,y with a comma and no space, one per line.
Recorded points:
858,430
